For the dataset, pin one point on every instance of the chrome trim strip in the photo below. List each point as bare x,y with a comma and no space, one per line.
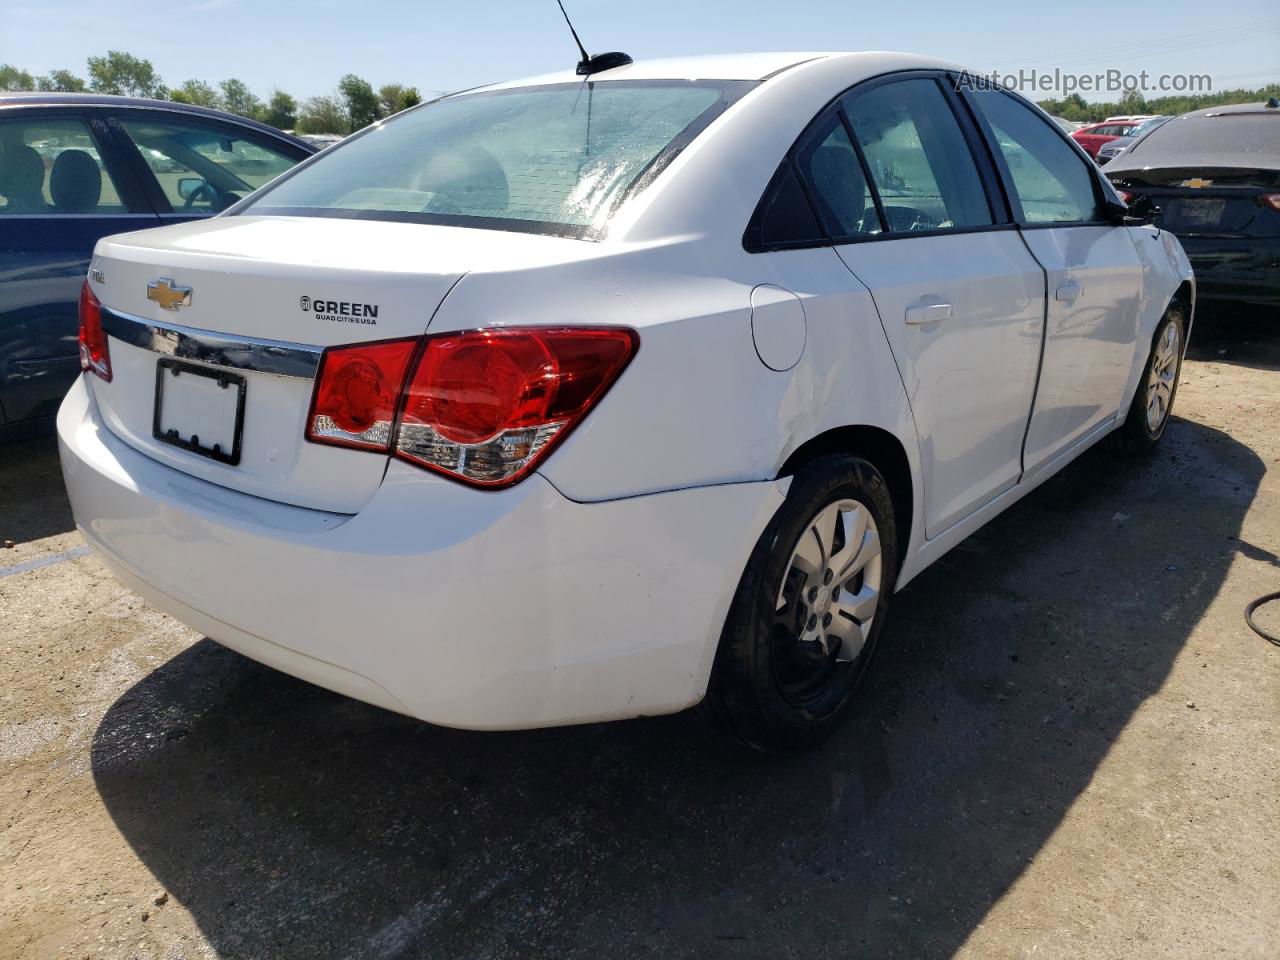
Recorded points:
276,357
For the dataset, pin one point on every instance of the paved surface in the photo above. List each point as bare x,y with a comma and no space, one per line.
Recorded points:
1069,749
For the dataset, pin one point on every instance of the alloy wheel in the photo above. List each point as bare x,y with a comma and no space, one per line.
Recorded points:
1163,376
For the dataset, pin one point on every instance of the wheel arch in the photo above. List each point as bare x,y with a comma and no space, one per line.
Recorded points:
1186,295
881,448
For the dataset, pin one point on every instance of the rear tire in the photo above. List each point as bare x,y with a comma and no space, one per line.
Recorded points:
1153,400
807,614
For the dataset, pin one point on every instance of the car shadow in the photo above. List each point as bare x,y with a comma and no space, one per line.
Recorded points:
294,823
33,502
1237,336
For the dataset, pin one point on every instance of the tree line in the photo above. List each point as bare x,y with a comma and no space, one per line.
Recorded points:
353,105
1076,108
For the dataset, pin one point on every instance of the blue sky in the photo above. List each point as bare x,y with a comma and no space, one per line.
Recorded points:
304,46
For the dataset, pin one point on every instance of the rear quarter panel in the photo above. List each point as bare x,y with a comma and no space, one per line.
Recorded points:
1165,268
697,406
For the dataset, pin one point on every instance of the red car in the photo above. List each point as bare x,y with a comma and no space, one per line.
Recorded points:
1095,135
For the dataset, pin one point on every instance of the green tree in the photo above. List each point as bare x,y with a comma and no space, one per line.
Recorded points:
122,73
11,78
322,115
1131,102
281,111
1074,107
61,81
361,102
197,92
393,98
237,98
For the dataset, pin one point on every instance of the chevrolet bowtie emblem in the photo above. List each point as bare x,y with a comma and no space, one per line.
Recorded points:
1197,182
170,296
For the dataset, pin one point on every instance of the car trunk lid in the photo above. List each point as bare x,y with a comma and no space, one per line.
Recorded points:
254,302
1199,201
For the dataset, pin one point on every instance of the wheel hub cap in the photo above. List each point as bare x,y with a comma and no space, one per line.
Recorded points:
831,587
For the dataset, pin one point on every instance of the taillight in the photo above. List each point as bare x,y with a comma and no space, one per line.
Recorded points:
1272,200
487,405
357,389
483,407
93,341
1126,196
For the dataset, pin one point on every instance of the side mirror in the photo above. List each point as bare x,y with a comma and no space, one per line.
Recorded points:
1140,212
189,185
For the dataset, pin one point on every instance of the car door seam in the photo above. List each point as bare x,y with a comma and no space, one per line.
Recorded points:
1044,341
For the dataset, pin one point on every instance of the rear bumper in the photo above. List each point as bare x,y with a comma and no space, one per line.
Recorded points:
1244,270
486,610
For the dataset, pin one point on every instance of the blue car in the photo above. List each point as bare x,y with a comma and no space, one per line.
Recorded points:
77,167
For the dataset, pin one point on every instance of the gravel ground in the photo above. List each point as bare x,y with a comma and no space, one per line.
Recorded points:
1068,749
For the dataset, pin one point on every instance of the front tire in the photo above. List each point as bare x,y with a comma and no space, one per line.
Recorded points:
809,609
1153,400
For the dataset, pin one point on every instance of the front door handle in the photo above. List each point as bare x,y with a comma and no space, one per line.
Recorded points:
928,312
1069,291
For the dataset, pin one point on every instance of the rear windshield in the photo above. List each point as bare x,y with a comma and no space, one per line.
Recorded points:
554,159
1233,133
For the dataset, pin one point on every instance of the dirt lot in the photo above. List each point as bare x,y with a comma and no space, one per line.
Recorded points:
1069,749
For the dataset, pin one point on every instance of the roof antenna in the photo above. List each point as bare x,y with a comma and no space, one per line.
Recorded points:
601,61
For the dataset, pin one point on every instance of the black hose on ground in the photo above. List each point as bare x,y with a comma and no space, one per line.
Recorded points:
1248,617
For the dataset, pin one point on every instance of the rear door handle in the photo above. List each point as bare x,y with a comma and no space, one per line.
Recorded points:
928,312
1071,290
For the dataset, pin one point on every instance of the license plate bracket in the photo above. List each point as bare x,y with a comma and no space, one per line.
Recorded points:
201,402
1201,211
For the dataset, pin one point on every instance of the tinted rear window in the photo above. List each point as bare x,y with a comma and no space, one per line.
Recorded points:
554,159
1224,134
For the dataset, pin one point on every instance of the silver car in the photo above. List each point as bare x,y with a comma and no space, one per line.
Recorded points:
1112,149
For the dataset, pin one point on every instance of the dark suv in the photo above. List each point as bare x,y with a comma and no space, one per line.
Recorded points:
77,167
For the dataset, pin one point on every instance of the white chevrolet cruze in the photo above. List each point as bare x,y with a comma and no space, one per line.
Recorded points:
576,398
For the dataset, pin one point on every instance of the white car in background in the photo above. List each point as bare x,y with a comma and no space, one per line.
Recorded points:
576,399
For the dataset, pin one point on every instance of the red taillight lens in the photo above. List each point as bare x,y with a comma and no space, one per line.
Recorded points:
94,356
486,406
1125,195
1272,200
357,389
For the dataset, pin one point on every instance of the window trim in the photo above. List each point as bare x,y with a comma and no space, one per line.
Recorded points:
1006,175
115,165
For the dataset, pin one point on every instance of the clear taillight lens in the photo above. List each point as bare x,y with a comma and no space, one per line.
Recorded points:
94,356
487,405
356,393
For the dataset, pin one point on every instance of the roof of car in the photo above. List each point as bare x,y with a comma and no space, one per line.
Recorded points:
1235,108
725,66
40,99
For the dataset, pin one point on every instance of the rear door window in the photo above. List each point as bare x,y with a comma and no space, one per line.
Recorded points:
919,160
840,188
52,166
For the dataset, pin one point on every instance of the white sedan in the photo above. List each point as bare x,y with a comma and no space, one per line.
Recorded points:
576,399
